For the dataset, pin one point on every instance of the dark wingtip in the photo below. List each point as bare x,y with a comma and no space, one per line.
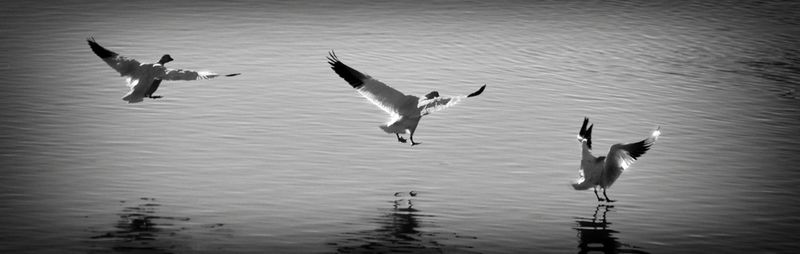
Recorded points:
233,74
589,136
637,149
99,50
476,93
352,76
586,133
332,59
582,132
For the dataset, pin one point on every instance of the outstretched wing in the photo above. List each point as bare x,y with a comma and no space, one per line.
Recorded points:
180,74
125,66
621,156
380,94
427,106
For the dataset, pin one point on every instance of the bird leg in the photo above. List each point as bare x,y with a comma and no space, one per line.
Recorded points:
412,140
598,196
154,96
399,138
607,199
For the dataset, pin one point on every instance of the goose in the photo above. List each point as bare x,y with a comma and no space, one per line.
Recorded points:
405,111
603,171
144,79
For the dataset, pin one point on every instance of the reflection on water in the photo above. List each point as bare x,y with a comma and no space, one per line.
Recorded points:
141,229
595,234
775,68
401,229
791,93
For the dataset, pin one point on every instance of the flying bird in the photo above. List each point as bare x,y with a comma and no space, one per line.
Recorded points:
405,111
144,79
603,171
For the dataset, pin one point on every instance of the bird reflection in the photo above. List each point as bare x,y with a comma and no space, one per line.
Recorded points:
141,229
596,235
401,229
791,93
781,68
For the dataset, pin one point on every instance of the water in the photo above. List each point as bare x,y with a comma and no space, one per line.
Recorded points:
287,158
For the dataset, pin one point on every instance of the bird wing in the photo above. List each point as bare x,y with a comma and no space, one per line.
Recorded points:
427,106
590,171
181,74
582,183
385,97
621,156
124,65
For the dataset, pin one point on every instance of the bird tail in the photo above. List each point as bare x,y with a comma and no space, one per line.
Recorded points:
581,185
387,128
393,126
132,98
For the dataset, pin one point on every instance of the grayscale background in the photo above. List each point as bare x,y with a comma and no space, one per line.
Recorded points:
287,158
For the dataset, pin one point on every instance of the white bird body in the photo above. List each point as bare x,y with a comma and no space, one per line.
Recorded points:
405,111
603,171
144,79
403,125
393,102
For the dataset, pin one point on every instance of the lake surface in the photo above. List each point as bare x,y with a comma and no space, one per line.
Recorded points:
287,158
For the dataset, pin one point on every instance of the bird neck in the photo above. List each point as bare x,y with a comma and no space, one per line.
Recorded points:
586,152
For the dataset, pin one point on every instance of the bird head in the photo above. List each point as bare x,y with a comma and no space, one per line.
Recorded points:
432,95
165,59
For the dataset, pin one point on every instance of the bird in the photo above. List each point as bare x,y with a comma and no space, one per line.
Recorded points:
405,111
603,171
144,79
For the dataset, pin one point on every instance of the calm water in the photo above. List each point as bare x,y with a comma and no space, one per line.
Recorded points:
287,158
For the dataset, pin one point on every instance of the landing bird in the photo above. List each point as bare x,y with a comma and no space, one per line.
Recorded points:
144,79
405,111
604,170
